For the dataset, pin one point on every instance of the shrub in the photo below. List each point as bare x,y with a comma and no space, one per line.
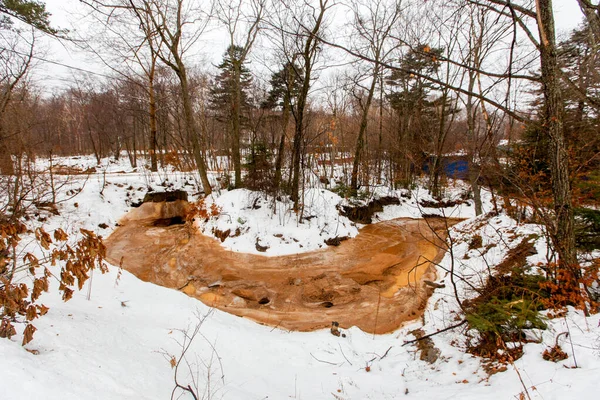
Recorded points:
587,228
260,172
18,302
507,305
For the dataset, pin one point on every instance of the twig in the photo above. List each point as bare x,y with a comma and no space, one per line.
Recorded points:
386,353
323,361
344,354
511,360
464,321
571,340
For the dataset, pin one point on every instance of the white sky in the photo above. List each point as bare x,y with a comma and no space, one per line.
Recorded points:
64,15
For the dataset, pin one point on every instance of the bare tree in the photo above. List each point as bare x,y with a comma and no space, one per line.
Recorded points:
373,22
591,12
16,59
301,24
178,25
542,15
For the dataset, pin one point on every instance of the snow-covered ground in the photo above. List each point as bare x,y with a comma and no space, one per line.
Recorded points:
118,343
253,218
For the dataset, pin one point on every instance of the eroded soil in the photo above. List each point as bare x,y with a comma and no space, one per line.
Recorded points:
374,281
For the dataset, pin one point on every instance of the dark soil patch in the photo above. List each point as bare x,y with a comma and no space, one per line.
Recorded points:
134,204
429,352
517,257
164,222
259,247
170,195
222,235
429,215
72,170
440,203
364,214
476,242
336,241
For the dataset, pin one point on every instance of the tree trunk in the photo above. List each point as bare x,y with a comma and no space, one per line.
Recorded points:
153,124
360,141
235,121
436,169
564,238
192,129
6,162
297,147
281,150
472,145
593,18
380,136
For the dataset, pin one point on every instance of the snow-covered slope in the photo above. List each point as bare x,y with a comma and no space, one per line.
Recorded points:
253,218
118,343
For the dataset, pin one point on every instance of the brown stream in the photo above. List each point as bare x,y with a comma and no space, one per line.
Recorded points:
373,281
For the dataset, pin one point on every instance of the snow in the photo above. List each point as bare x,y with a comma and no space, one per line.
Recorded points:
411,207
117,344
273,224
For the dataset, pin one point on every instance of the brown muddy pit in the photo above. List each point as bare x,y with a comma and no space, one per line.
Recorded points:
373,281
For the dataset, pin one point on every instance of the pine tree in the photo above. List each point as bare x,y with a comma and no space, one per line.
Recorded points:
410,99
581,121
579,60
285,86
231,100
30,12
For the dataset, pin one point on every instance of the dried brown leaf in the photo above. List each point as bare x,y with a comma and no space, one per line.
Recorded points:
28,334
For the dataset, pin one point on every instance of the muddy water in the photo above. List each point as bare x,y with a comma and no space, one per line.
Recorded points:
374,281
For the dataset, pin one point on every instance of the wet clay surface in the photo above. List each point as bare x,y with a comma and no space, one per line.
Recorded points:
373,281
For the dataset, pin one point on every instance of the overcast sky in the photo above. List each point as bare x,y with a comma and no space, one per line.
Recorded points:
64,15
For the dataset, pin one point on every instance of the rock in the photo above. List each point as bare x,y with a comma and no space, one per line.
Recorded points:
260,248
429,352
335,329
363,214
434,285
336,240
170,195
189,289
222,235
259,294
238,302
246,294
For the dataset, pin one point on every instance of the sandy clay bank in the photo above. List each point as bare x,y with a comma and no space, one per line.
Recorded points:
375,281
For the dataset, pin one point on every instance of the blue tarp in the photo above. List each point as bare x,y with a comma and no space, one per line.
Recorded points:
453,166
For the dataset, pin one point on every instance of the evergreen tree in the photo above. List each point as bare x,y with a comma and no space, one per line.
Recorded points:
416,112
30,12
285,87
231,100
223,90
580,61
580,64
